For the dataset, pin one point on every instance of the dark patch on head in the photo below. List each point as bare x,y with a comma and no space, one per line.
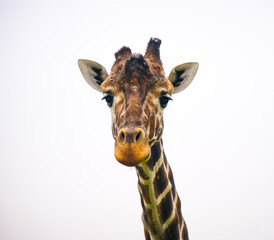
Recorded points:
137,56
160,181
136,63
155,155
165,208
173,231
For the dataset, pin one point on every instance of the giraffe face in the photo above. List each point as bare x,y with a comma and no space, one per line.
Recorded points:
137,92
136,97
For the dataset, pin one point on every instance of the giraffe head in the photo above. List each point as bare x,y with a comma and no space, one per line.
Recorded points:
137,91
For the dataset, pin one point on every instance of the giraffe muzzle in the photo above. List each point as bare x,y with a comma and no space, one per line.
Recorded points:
131,146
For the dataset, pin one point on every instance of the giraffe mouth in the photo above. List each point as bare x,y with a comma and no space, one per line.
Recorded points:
131,155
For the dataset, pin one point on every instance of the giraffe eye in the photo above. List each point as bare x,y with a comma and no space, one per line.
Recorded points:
109,99
164,101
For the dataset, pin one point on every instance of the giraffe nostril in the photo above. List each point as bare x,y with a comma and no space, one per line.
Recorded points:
138,136
122,137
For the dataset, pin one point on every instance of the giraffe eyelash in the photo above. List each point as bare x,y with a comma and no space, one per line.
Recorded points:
164,100
109,99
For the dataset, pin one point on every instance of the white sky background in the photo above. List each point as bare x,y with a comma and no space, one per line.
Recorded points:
58,175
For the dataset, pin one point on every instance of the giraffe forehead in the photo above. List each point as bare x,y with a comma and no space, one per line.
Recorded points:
140,86
135,75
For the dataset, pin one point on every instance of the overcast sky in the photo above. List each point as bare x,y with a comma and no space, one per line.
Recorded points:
58,175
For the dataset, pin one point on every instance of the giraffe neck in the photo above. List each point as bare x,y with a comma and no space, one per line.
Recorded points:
161,205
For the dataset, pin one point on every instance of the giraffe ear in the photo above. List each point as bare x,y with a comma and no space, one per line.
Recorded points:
182,75
93,72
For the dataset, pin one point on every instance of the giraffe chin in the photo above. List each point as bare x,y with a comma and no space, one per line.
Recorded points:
131,155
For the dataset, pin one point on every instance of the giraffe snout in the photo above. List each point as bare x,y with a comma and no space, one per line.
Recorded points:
128,136
131,146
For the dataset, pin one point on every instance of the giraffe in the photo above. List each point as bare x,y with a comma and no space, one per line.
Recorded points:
137,91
